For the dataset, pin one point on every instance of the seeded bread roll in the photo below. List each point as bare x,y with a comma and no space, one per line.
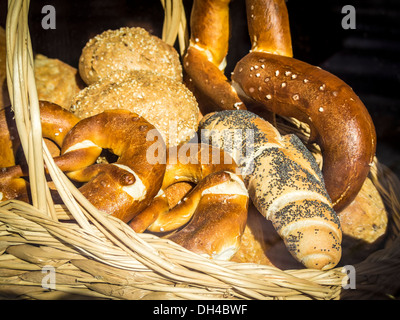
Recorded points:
164,102
127,49
284,182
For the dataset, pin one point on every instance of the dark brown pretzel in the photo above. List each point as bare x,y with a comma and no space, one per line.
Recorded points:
269,78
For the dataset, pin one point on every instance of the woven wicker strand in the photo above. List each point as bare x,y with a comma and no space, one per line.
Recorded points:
99,257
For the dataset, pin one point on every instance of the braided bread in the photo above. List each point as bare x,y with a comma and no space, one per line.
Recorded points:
285,184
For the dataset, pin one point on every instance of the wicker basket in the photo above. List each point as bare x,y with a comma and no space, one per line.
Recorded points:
94,256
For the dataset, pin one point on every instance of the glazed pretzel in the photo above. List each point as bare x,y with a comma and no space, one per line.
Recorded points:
125,187
204,61
268,77
56,123
213,214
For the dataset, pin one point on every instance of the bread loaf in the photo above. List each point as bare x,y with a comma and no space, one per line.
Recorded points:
284,182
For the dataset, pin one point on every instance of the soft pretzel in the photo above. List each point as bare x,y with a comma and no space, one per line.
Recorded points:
192,163
125,187
285,184
339,121
213,214
268,25
56,123
204,61
268,77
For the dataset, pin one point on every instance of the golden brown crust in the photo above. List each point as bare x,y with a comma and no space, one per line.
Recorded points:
126,187
164,102
339,121
204,61
176,192
56,81
56,123
268,24
208,218
285,184
121,189
127,49
209,27
189,164
192,162
12,185
210,82
216,228
364,223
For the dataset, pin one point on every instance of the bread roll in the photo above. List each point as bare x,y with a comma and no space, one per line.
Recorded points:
364,224
56,81
127,49
284,182
162,101
258,237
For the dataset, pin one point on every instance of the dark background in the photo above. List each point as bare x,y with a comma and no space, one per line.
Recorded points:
367,58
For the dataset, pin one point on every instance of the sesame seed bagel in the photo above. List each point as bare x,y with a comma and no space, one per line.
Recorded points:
284,183
164,102
127,49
